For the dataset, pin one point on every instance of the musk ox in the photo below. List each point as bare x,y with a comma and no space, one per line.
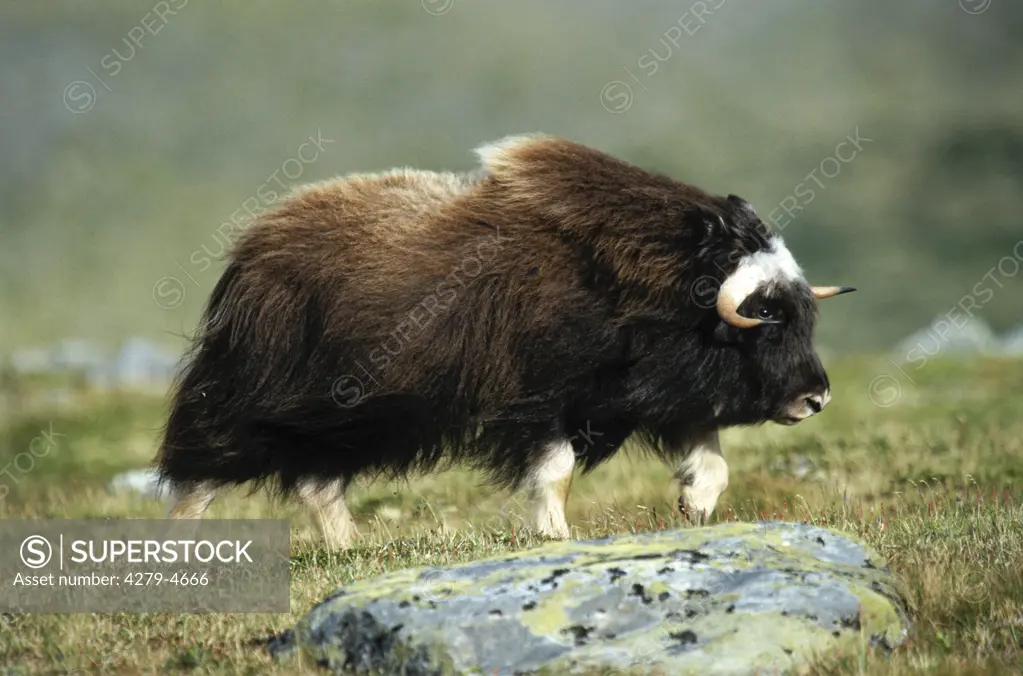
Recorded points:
523,319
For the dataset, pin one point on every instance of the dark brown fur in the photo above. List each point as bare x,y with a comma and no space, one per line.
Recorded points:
382,323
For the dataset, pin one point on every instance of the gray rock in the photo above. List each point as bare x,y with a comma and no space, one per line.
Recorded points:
31,360
142,362
728,599
943,337
143,482
73,354
1012,342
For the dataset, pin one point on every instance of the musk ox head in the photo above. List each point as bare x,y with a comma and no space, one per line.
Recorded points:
690,258
766,312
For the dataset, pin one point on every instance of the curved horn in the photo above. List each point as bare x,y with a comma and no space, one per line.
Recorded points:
821,292
727,306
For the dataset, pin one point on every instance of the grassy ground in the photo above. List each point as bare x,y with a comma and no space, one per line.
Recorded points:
932,479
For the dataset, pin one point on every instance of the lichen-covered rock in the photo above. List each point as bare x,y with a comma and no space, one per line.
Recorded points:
729,599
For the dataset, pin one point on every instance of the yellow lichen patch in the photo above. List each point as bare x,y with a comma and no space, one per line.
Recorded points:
549,616
769,640
877,615
657,587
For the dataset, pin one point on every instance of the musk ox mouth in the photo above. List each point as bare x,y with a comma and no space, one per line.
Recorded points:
805,406
788,420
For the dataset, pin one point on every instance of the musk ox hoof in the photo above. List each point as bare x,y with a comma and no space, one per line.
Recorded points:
551,526
341,538
691,513
559,533
694,508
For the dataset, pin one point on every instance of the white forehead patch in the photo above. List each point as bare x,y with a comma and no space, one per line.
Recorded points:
773,264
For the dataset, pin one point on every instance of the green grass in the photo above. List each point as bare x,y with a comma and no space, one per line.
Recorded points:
933,482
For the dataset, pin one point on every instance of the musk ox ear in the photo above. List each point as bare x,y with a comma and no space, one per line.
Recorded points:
740,203
749,216
715,227
721,224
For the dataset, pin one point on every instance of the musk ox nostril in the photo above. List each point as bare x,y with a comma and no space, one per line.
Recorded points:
815,403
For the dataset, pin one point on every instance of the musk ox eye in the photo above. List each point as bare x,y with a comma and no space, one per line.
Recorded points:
766,313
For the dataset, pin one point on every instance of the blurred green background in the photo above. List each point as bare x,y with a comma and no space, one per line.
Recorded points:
130,132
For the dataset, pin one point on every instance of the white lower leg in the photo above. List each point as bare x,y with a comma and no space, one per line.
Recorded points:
327,501
549,484
703,474
191,500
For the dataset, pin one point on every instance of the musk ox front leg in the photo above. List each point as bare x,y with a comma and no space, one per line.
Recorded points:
550,480
326,499
702,473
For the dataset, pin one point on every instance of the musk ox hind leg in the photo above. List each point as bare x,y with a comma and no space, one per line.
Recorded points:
326,499
702,472
190,499
549,481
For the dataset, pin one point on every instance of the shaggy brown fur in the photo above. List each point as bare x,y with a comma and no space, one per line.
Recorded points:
382,323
